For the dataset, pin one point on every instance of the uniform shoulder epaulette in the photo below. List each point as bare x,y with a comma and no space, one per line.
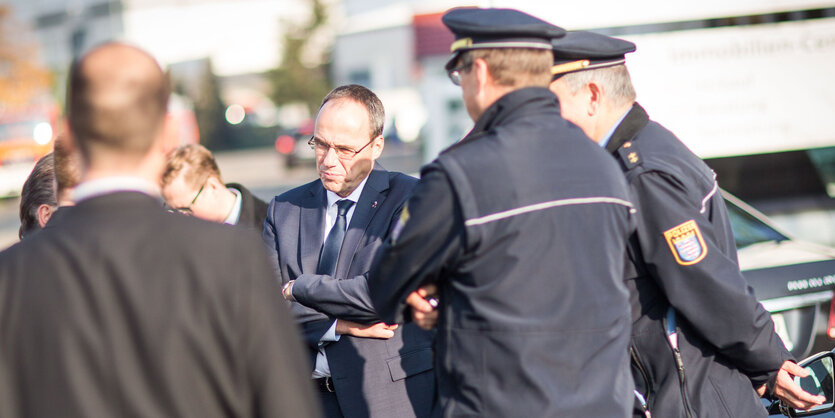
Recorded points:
630,155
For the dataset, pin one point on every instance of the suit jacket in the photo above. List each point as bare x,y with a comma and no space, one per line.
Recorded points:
253,209
119,308
372,377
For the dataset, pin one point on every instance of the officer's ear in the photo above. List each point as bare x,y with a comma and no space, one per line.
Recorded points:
482,73
595,93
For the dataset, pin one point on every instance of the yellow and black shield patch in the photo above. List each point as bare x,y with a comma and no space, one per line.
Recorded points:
401,222
686,243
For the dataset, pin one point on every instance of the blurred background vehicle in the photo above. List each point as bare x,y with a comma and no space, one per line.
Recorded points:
292,144
793,279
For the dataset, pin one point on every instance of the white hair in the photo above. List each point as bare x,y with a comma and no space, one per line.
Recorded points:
615,81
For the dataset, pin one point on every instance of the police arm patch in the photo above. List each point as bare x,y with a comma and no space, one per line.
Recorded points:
686,243
401,223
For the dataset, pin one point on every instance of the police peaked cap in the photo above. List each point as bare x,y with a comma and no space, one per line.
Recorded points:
497,28
581,50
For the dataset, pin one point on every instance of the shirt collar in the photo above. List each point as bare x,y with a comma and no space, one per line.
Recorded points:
107,185
235,214
608,136
354,196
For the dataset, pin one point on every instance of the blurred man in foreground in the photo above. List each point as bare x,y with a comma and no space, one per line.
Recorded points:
522,226
191,184
124,309
700,339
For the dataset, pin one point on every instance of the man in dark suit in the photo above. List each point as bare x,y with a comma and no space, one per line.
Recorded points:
362,366
120,308
192,185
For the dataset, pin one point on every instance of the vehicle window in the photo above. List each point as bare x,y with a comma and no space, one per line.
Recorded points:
748,229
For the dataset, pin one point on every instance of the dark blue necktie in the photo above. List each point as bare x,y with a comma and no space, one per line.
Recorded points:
330,251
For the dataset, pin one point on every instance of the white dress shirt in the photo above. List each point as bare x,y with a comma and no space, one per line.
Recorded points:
235,214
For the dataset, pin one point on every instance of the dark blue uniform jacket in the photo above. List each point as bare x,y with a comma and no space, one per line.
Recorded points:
523,226
683,255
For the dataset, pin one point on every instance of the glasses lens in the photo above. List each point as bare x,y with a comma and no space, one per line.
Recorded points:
455,77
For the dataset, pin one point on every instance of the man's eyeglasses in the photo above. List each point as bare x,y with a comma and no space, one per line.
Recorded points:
187,209
343,153
455,73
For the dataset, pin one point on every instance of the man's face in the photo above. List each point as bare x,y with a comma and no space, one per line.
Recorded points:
194,201
344,124
573,105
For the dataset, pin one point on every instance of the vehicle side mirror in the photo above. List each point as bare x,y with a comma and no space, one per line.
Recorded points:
821,381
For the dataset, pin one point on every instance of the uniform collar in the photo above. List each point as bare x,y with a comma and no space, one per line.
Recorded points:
608,136
511,104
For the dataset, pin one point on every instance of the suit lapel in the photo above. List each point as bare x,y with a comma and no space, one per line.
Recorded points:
372,198
311,228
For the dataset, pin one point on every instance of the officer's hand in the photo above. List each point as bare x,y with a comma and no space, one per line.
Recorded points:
379,330
423,313
789,392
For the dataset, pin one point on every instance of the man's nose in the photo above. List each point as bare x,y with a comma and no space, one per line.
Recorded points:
330,159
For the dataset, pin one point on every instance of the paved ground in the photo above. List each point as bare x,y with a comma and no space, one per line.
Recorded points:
261,170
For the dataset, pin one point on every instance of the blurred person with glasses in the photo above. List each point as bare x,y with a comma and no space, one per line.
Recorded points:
323,237
192,185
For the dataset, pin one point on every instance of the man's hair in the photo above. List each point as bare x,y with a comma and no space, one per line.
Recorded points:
195,162
513,67
365,97
67,167
116,105
39,189
614,80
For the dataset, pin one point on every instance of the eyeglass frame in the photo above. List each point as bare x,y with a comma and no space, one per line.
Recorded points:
337,148
454,74
187,210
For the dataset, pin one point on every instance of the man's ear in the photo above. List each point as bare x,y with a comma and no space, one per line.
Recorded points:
215,183
44,213
595,98
377,147
482,74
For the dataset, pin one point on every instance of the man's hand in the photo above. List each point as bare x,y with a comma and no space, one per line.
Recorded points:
379,330
790,393
423,313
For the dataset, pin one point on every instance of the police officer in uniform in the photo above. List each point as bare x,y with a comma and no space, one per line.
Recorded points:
701,343
522,227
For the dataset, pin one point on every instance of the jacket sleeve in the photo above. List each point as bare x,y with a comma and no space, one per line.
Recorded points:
345,299
702,282
313,324
426,241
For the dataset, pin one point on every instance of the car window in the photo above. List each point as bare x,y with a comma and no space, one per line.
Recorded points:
749,230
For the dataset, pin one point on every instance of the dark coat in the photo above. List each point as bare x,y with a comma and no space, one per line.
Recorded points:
253,209
119,308
372,377
523,226
683,255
